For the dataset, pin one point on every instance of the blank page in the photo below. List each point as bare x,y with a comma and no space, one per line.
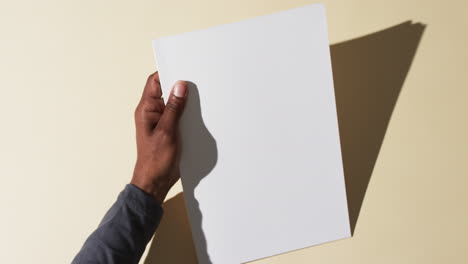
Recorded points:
261,162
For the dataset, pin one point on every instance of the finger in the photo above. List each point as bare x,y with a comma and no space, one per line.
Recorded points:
151,106
152,87
174,108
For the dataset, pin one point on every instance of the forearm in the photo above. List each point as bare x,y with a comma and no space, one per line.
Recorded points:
125,230
128,226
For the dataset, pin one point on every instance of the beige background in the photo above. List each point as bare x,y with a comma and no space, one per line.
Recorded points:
72,72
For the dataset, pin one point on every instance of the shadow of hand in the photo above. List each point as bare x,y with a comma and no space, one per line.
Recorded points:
173,242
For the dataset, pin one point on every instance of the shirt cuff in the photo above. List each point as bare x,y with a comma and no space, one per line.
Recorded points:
142,202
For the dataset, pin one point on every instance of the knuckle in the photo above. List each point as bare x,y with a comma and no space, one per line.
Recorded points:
147,110
142,107
137,111
148,106
174,104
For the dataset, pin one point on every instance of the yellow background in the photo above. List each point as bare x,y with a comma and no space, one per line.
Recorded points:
71,73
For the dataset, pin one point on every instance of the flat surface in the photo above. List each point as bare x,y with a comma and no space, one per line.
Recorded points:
246,139
72,73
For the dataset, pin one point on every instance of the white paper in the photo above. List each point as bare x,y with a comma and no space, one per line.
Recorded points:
261,162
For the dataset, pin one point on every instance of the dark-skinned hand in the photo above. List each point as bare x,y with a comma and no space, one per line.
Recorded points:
156,169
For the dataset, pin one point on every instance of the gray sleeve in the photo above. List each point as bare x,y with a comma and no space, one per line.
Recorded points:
125,230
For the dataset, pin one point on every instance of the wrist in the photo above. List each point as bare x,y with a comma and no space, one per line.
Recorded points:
155,189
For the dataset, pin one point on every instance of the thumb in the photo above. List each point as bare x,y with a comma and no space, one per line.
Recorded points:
174,107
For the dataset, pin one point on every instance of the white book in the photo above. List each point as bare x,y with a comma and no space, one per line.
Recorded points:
261,162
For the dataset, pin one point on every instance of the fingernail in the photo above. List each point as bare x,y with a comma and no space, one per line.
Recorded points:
180,89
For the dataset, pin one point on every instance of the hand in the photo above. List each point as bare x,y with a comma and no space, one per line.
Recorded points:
157,168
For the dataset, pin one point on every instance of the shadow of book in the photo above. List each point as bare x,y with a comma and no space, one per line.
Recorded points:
368,73
173,239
